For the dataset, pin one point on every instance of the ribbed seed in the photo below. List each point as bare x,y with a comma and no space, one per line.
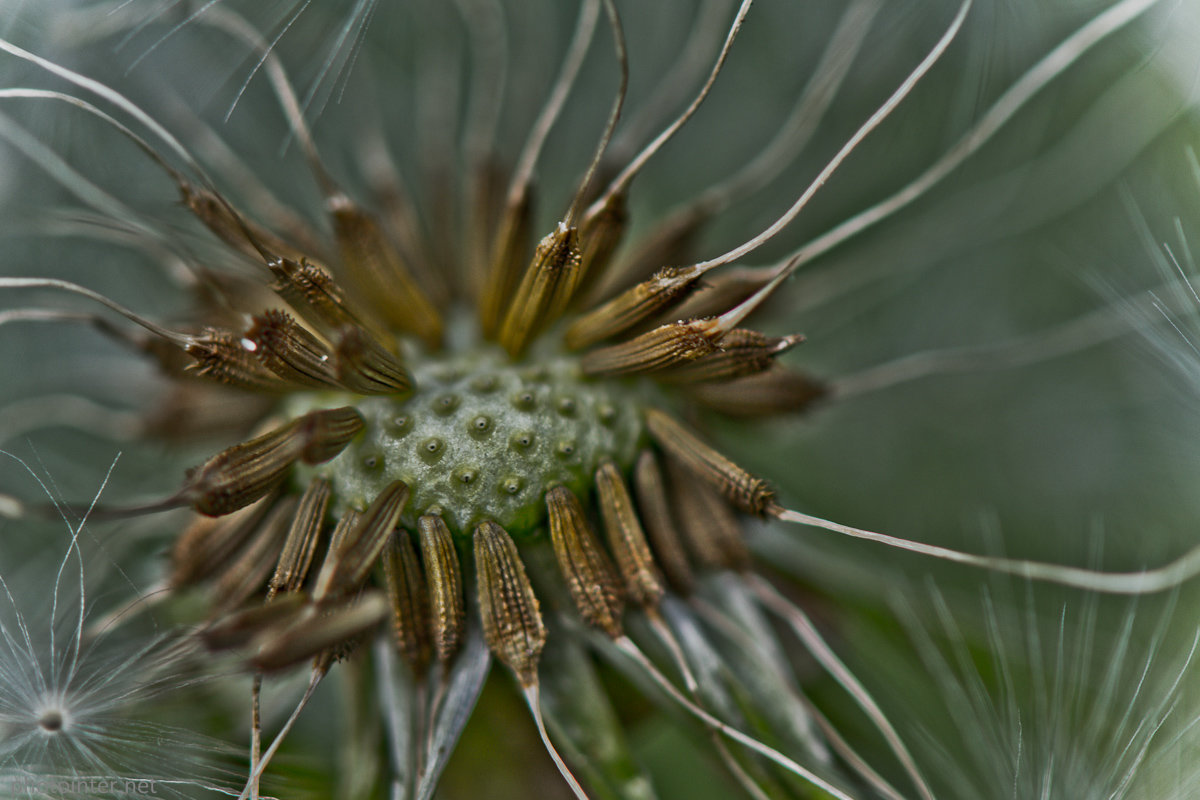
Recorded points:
626,539
671,242
222,357
239,475
599,236
209,544
508,255
375,266
322,634
244,577
742,352
710,529
746,492
313,293
361,365
655,506
241,627
590,576
444,577
668,287
347,523
349,559
777,391
191,412
485,211
662,348
326,433
286,348
545,289
512,621
409,599
725,289
301,543
216,217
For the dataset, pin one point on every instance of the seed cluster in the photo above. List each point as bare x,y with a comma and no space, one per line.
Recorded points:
403,446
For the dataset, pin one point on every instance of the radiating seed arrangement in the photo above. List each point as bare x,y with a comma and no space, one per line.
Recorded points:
403,473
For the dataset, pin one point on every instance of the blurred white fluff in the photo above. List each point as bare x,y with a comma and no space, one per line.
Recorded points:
81,684
1056,697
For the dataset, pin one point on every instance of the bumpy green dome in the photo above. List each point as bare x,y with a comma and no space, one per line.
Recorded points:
482,438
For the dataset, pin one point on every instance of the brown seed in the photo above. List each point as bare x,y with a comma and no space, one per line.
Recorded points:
590,576
383,280
742,352
409,599
313,293
439,254
668,287
512,621
326,433
350,557
222,357
664,347
445,585
509,255
626,539
709,527
599,235
363,366
244,577
216,216
653,502
241,627
671,242
301,543
777,391
347,522
746,492
193,411
419,246
239,475
545,289
209,544
286,348
725,289
325,635
485,210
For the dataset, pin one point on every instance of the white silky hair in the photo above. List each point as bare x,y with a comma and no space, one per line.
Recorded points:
84,676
